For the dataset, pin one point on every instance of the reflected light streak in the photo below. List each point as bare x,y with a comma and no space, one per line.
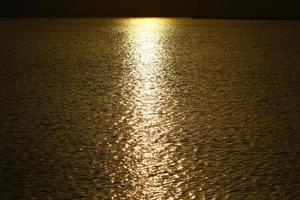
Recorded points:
148,153
146,96
147,36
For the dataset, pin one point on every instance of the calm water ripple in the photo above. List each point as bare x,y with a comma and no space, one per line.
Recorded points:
149,108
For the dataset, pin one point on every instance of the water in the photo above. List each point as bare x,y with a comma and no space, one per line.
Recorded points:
149,109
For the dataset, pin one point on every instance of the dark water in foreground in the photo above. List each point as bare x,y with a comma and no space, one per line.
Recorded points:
149,109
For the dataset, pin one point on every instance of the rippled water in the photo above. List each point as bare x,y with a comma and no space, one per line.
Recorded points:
149,109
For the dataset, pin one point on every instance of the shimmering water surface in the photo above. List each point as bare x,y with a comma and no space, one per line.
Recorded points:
149,109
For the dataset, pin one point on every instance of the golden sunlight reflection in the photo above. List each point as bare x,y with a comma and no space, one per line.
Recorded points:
147,40
148,124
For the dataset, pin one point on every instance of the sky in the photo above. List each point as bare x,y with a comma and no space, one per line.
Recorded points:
185,8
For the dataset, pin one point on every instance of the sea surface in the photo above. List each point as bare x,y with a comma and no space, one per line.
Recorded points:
149,108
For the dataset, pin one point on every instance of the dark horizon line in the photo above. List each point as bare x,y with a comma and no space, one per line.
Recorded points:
150,16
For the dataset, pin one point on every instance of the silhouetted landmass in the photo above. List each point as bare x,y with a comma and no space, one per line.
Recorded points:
190,8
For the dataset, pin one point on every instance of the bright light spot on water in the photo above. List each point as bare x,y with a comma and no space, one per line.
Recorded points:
148,152
147,37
